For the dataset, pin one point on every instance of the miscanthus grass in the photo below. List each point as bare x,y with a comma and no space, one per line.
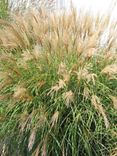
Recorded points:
58,85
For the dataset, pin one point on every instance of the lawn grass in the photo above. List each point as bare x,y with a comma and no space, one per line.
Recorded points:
58,85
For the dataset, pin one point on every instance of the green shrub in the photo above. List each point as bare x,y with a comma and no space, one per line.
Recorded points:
3,9
58,86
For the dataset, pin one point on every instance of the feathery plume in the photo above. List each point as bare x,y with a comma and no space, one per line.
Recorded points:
114,101
27,56
98,106
55,118
68,97
86,93
21,93
110,69
61,84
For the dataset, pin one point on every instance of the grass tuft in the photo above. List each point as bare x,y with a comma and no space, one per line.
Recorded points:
58,85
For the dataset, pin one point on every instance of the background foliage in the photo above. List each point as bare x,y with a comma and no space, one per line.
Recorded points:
3,8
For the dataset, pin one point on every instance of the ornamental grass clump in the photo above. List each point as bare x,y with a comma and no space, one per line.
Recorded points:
58,85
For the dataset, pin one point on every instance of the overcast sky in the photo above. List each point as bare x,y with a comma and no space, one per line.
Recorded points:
95,6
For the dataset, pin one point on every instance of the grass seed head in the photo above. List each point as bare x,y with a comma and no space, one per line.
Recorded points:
55,118
21,93
114,101
98,106
69,98
110,69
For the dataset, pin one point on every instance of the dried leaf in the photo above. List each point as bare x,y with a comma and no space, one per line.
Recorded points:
31,140
44,152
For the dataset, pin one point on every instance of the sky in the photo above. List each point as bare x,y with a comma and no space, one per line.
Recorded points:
94,6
